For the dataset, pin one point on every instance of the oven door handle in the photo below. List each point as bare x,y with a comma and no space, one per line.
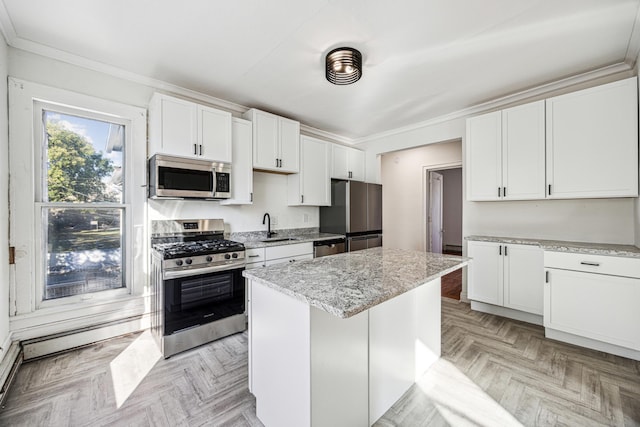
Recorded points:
176,274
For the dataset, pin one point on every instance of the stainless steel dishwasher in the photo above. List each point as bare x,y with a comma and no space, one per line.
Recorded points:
328,247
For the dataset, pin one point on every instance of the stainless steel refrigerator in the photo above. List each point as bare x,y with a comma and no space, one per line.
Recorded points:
355,211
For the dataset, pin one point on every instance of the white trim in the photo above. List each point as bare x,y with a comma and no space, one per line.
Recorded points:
554,334
627,65
498,103
506,312
25,320
633,48
55,344
425,199
56,320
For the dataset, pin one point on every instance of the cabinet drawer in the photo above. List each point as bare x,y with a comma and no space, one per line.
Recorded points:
251,265
601,264
254,255
287,251
289,259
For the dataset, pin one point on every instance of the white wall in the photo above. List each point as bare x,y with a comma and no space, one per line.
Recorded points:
4,203
269,189
452,206
404,189
270,195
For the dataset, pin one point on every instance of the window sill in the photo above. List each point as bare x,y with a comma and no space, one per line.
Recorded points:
68,317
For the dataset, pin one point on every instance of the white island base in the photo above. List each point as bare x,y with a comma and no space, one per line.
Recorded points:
308,367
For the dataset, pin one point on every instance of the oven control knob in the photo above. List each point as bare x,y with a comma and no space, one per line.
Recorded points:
234,255
188,261
179,262
227,256
209,258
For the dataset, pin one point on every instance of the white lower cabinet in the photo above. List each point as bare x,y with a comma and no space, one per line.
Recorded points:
310,368
271,255
507,275
584,298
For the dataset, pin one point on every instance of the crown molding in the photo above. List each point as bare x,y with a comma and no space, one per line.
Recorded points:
633,48
6,26
311,131
499,103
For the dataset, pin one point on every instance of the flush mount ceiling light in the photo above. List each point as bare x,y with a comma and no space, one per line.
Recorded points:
344,66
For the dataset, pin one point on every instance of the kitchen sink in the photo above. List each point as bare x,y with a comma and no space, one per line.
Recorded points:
279,239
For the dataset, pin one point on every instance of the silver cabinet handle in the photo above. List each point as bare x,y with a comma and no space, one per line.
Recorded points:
592,264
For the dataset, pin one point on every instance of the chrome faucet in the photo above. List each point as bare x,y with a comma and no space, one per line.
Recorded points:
267,218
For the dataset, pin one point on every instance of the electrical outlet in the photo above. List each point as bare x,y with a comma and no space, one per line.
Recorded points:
274,220
305,218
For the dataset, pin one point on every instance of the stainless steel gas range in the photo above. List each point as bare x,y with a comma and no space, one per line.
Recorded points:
197,288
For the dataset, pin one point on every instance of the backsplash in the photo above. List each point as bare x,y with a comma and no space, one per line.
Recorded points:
269,195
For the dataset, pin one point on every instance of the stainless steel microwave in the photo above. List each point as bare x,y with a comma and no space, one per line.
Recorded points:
185,178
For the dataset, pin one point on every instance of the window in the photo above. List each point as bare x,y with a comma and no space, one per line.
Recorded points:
83,214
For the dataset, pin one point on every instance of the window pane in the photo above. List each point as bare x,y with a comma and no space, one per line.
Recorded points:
84,251
84,159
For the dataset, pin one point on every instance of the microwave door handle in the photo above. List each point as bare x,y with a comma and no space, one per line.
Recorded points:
214,178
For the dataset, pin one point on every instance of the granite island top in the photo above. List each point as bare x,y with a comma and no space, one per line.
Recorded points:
563,246
254,239
349,283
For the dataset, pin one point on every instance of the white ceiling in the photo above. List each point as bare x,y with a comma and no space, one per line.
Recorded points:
422,58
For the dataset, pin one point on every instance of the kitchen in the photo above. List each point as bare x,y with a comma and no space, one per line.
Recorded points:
606,220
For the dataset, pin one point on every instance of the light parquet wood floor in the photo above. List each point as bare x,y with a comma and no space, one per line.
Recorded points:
494,372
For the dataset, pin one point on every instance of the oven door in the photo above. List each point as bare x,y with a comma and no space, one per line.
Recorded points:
197,299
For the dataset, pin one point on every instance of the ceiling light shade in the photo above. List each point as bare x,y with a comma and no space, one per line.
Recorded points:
344,66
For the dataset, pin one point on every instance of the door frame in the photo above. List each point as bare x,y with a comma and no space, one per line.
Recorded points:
430,212
425,197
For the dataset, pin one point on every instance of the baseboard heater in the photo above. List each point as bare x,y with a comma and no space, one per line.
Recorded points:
9,368
61,342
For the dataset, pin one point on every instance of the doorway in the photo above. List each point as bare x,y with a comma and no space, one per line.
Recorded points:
444,219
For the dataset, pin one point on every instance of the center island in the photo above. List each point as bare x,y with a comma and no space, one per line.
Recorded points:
336,341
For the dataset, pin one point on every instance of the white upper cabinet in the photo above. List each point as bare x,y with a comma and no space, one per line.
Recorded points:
592,142
506,154
347,163
215,134
523,149
242,168
484,157
276,142
183,128
312,186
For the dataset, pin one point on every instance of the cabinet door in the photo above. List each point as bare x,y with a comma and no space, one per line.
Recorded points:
596,306
592,142
486,272
265,140
289,134
314,182
523,152
524,278
484,157
214,134
179,135
339,161
356,164
242,167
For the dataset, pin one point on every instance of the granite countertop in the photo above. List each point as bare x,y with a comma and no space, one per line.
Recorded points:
562,246
253,239
349,283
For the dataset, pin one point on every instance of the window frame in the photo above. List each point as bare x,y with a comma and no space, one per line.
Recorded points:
28,309
40,161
